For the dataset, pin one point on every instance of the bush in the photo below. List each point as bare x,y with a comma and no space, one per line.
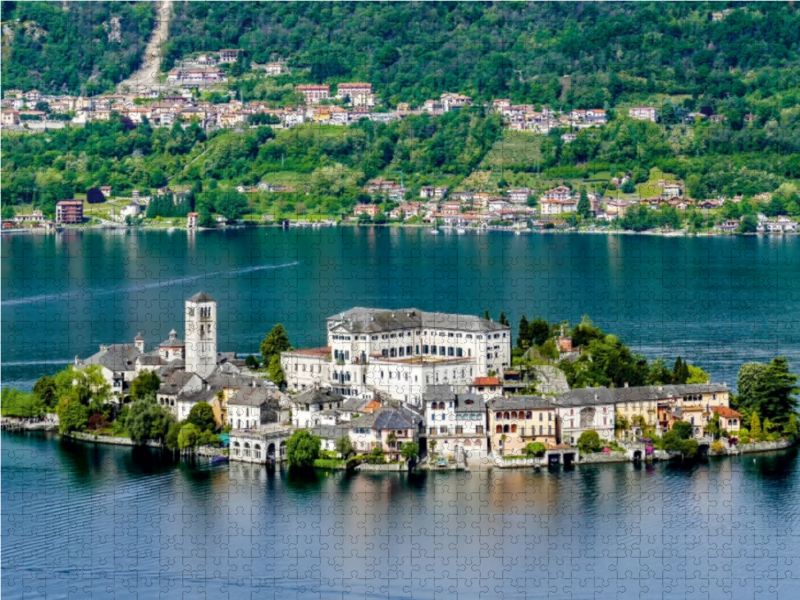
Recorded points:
589,442
774,436
717,447
535,449
744,439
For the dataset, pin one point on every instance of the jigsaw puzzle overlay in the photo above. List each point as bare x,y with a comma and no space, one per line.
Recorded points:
356,301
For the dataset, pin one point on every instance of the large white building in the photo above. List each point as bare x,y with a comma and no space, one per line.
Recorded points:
399,353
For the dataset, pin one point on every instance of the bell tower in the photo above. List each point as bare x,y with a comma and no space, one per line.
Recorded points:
201,334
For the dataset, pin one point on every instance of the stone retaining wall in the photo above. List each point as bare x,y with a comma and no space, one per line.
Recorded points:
756,447
604,457
386,467
107,439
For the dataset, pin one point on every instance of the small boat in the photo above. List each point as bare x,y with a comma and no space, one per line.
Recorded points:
218,459
461,230
434,230
518,232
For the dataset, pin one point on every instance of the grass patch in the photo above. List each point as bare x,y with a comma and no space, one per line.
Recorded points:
515,147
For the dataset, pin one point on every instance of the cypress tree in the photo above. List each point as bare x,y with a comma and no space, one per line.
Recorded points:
522,336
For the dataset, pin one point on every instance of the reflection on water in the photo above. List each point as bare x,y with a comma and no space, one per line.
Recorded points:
113,521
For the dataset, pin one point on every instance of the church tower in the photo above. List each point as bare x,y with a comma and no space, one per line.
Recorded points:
201,334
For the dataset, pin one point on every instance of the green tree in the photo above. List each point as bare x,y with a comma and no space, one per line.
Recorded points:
523,341
45,389
621,423
538,331
629,187
659,373
589,442
16,403
251,362
171,439
72,416
679,372
344,446
683,429
747,385
189,436
755,426
713,428
502,319
409,451
696,375
302,449
535,449
274,343
748,224
231,205
768,389
144,384
147,420
584,207
275,371
202,416
791,428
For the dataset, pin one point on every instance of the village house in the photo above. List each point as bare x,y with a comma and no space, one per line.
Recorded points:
519,195
371,210
10,117
433,192
228,55
486,387
374,430
456,421
401,352
643,113
69,212
356,94
516,421
586,409
659,406
251,407
672,190
557,207
315,406
729,419
195,76
274,69
36,216
433,107
454,101
314,94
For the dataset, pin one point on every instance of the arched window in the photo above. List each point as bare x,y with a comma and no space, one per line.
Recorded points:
505,429
257,449
498,416
499,429
236,448
529,415
506,416
513,428
513,414
730,423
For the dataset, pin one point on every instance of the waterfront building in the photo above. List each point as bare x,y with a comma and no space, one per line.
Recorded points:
517,421
316,406
376,429
585,409
69,212
456,421
251,407
400,353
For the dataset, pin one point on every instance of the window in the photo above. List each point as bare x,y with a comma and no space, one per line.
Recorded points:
528,415
498,416
402,351
513,428
459,352
416,349
424,348
441,350
541,429
479,429
450,351
443,429
498,429
541,417
522,431
513,414
374,337
459,430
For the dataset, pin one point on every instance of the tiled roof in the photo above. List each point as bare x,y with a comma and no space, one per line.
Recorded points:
726,413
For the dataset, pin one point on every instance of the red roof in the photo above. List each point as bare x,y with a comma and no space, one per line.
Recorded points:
726,413
324,351
486,381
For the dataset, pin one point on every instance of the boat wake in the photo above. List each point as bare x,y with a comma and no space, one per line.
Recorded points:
112,291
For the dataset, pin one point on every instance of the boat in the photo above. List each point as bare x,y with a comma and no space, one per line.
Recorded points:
434,230
218,459
461,230
518,232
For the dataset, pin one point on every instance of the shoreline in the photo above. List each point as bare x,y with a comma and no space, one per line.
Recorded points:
440,229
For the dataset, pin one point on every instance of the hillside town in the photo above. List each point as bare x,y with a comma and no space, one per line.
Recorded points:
388,377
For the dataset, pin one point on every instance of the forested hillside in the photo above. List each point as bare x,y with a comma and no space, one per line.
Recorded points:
609,51
73,47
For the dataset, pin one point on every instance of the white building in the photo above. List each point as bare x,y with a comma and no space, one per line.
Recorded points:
456,421
586,409
315,407
400,353
643,113
358,94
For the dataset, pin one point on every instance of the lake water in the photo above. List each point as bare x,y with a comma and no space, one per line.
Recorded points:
718,301
82,521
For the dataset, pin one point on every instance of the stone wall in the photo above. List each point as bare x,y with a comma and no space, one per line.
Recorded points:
604,457
756,447
385,467
107,439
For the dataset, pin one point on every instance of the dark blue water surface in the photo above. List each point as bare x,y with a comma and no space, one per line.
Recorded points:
718,301
83,521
